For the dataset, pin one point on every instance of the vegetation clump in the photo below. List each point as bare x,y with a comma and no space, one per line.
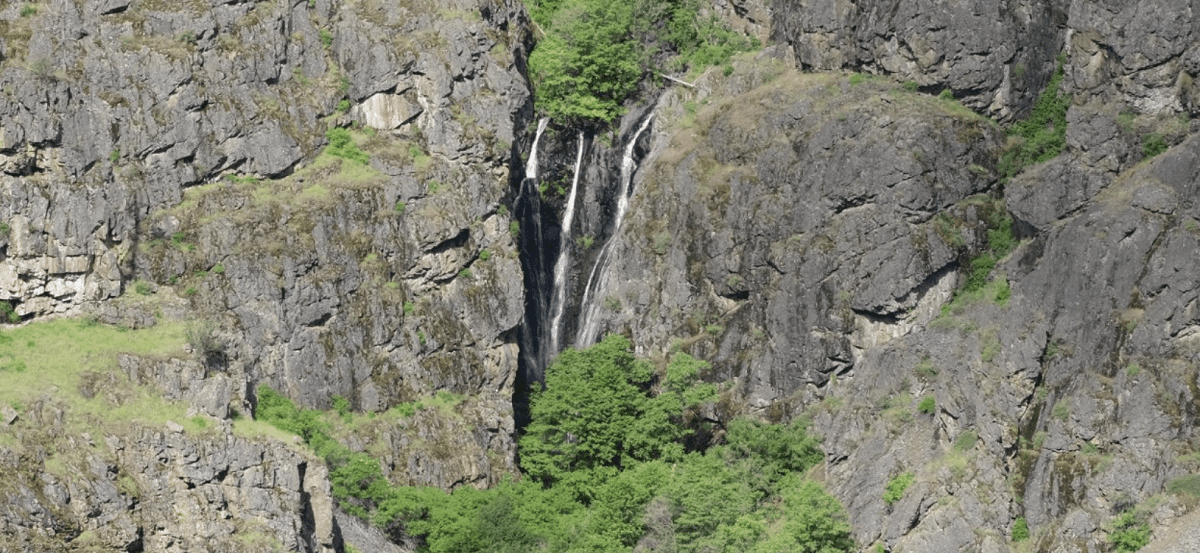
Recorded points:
342,145
594,52
1043,135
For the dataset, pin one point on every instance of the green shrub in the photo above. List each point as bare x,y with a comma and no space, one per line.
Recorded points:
911,86
1020,530
928,405
326,38
8,313
28,10
400,206
343,105
485,254
409,308
1129,532
1042,136
857,79
219,268
115,155
896,487
1133,370
1153,145
514,228
342,145
143,288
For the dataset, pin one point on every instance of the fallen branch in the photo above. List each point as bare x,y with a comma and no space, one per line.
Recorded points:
685,83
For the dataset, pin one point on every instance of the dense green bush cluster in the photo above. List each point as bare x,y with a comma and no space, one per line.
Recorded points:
1042,136
342,145
606,470
594,52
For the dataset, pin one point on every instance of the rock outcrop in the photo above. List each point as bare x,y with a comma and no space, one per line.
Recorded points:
159,488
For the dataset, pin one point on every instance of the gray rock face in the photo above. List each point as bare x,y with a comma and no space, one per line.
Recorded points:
806,234
380,283
995,57
159,488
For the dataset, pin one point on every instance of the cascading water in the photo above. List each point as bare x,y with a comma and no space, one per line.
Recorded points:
588,323
528,212
564,251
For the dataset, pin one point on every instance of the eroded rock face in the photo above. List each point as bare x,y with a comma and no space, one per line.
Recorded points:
177,146
807,233
159,488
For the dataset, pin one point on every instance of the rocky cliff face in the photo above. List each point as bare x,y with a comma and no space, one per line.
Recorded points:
175,148
808,233
811,233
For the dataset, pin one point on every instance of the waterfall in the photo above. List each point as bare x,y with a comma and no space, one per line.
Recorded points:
528,212
588,323
564,251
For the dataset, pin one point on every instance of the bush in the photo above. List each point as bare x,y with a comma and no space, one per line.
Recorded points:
1129,532
1042,136
8,313
342,145
1153,145
1020,531
927,405
896,487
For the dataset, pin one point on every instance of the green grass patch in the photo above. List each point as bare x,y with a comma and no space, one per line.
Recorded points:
74,361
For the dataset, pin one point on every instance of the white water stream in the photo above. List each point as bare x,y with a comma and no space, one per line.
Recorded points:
588,323
564,252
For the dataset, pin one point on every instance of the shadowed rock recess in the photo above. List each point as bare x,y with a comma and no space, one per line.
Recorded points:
321,196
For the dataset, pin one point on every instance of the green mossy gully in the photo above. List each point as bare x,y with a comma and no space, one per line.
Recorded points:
592,54
606,468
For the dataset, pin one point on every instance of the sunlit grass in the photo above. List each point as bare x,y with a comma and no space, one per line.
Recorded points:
51,360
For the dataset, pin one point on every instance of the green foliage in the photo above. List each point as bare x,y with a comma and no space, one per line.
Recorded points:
896,487
400,207
28,10
115,155
857,79
219,268
1152,145
343,105
965,441
595,51
927,405
1133,370
585,241
326,38
514,228
1129,532
588,63
1042,136
910,86
946,94
485,254
596,415
342,145
8,313
1020,530
143,288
